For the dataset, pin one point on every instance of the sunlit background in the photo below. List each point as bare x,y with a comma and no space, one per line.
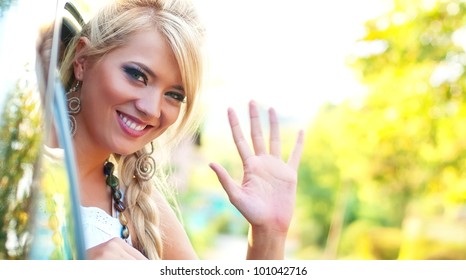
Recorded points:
378,86
290,56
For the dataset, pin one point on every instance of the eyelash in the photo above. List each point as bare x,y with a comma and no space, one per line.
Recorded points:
177,96
136,74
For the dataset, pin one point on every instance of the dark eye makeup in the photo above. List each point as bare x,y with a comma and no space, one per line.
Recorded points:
136,73
180,97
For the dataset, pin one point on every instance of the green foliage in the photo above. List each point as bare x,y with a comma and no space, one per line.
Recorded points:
19,146
403,141
366,240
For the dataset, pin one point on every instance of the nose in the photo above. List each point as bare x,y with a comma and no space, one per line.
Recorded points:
150,104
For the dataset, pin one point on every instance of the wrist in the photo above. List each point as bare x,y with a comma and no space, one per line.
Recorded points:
266,243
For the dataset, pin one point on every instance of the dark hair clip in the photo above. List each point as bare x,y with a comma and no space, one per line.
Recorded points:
72,23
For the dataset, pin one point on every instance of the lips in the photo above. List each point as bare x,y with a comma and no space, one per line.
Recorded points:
131,126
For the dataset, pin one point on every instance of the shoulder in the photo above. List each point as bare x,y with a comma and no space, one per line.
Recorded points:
176,244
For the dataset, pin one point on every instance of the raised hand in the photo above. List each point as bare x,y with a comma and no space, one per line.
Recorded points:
267,193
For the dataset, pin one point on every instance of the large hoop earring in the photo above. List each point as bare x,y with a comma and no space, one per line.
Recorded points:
74,107
145,165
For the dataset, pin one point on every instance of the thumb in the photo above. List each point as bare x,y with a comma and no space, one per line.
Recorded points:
225,179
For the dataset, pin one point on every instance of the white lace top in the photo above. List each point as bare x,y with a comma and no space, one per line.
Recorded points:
98,226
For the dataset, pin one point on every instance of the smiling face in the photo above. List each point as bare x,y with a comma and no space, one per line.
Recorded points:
129,97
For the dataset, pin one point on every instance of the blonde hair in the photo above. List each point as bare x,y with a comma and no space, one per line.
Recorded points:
109,29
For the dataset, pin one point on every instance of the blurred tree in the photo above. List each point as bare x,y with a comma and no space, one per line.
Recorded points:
404,140
19,146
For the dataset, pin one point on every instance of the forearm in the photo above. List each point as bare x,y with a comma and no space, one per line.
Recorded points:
265,244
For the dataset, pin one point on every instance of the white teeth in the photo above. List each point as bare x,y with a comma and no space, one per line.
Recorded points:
131,124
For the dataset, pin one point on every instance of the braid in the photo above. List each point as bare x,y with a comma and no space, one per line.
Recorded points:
143,211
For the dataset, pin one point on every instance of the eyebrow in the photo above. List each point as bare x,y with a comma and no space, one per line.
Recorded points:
178,87
145,68
152,74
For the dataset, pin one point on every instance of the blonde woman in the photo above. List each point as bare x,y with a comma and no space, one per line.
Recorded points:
132,77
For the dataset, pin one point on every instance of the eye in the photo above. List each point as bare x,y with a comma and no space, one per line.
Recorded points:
136,74
180,97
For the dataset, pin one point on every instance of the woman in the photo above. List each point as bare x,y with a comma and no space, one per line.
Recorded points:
132,77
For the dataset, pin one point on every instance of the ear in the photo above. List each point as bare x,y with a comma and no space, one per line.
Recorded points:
79,63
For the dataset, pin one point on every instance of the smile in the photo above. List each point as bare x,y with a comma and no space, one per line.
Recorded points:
130,124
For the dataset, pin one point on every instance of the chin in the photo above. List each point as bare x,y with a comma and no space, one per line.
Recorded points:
123,152
125,148
126,153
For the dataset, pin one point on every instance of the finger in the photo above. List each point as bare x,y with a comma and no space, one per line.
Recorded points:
135,254
256,131
275,145
114,249
241,143
226,181
295,156
129,252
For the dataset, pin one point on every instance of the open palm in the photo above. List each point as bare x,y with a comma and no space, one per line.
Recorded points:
267,193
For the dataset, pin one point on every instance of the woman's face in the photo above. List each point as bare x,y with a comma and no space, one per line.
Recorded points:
130,96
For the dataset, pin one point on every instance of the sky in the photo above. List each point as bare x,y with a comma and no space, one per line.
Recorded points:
289,55
18,39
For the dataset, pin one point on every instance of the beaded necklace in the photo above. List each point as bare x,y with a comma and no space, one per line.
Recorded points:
113,182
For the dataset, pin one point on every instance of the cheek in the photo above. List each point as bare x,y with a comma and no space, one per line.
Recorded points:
109,88
172,115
